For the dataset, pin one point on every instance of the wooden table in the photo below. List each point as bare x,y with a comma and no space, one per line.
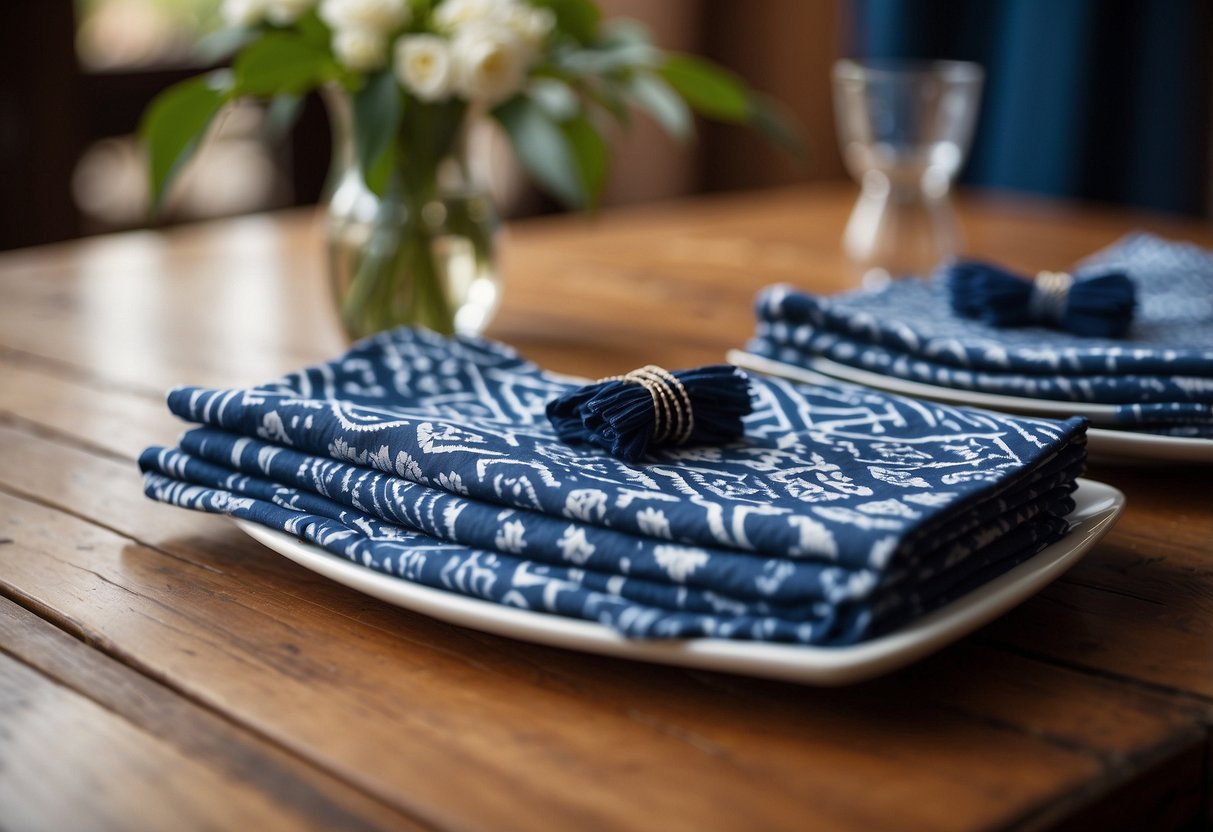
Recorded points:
160,670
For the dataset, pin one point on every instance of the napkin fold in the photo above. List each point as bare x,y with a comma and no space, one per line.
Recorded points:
1160,376
839,515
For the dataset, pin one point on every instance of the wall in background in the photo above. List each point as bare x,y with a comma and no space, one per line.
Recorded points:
67,115
1087,99
39,122
57,109
785,48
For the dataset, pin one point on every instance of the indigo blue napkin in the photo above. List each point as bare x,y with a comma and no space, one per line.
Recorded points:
1161,374
839,515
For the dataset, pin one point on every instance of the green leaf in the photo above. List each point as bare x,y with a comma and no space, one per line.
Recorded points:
605,92
541,146
774,121
659,99
379,174
174,125
621,45
282,62
590,155
576,18
313,30
607,57
376,115
555,97
709,89
448,123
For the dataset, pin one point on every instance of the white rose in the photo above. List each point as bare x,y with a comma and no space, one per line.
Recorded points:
532,25
490,63
423,65
360,49
382,16
285,12
452,15
241,13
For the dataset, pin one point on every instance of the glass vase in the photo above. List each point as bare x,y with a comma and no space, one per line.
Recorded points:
421,253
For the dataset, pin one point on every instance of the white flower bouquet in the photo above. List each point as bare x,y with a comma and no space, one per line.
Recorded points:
551,73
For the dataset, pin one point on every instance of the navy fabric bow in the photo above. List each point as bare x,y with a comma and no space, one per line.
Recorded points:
1096,305
650,408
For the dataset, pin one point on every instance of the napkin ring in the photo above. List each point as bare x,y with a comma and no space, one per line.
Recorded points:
674,417
650,407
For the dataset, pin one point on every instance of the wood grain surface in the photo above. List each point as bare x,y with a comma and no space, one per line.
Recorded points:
158,669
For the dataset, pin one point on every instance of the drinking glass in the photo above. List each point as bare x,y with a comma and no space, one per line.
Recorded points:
904,127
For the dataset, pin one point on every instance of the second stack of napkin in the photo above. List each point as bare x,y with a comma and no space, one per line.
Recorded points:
841,514
1160,377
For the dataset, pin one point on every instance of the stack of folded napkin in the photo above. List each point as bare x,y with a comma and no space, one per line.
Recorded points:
841,513
1160,376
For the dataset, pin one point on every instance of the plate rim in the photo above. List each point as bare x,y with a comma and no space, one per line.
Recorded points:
1105,443
1098,507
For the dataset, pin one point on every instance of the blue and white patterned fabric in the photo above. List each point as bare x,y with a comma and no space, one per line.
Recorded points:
841,514
1161,374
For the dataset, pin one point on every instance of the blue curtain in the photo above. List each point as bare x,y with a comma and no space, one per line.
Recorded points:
1095,99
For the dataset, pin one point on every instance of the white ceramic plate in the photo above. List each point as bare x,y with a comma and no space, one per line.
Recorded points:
1098,507
1104,444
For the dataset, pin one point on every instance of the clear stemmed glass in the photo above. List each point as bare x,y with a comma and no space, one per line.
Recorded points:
904,127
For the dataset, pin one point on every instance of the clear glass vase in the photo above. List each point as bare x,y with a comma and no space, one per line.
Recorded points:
420,254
